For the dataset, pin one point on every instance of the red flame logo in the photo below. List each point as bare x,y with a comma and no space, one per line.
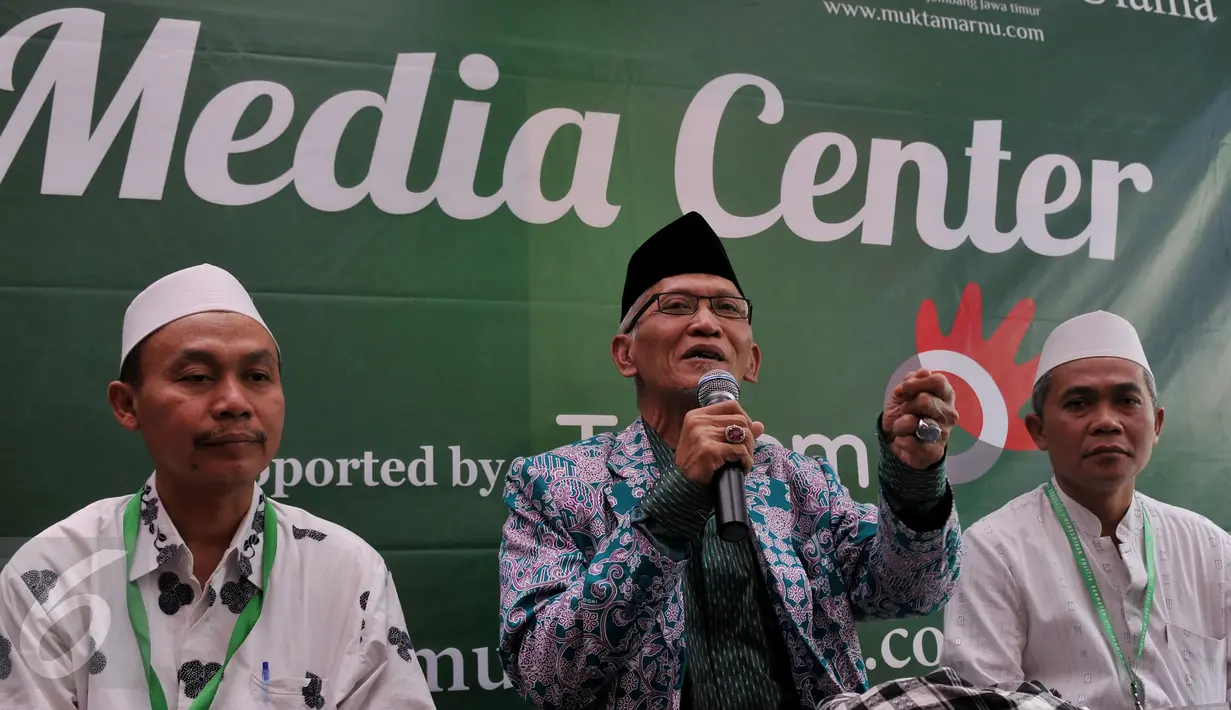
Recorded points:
995,354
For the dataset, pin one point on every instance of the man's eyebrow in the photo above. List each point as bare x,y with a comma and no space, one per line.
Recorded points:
263,356
196,355
1088,391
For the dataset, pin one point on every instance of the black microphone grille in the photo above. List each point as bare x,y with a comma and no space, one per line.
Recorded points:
716,386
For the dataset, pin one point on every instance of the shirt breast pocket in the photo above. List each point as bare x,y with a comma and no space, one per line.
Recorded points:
290,693
1200,662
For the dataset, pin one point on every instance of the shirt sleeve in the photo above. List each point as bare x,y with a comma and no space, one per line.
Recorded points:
1226,604
921,498
888,569
676,512
574,606
985,622
384,671
28,631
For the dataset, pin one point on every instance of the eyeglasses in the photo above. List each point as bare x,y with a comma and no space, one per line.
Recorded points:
686,304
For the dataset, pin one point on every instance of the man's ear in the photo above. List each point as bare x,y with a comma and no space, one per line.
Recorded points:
754,365
1034,425
621,354
123,401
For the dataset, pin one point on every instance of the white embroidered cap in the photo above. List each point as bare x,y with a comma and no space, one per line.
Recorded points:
1097,334
197,289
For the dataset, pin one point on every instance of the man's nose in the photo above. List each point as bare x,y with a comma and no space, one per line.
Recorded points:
231,400
705,321
1106,420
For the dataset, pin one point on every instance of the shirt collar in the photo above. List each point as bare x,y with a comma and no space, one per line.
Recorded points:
159,544
664,456
1089,523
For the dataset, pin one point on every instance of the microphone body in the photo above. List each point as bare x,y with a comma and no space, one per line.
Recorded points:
721,386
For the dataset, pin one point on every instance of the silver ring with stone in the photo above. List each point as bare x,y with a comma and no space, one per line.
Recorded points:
927,431
735,434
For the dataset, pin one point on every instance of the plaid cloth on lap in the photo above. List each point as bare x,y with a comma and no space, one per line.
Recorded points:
945,690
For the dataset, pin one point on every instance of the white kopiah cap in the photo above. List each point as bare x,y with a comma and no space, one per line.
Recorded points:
197,289
1097,334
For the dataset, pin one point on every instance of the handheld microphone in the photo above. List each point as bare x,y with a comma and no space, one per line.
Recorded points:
720,386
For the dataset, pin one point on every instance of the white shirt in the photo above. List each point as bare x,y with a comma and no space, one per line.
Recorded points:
1022,610
331,627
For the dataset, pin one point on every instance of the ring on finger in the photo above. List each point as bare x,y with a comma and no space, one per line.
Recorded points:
927,430
735,434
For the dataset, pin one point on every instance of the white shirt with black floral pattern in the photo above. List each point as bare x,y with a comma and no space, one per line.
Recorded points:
331,628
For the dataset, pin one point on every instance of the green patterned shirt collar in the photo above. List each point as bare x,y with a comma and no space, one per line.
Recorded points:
664,455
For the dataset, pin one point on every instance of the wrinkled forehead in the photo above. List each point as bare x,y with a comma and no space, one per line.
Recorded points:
217,335
1099,373
696,284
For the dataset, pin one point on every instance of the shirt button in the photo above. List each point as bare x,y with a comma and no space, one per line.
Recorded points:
644,580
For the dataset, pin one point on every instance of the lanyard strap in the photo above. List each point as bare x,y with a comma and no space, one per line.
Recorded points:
243,625
1079,554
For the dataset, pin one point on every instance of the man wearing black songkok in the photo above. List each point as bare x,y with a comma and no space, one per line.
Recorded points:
616,590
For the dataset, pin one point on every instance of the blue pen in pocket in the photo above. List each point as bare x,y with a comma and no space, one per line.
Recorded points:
265,679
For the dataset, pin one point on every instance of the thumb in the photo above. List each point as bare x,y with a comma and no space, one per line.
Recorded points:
757,430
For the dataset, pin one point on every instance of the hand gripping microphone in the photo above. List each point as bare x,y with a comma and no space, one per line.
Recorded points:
719,386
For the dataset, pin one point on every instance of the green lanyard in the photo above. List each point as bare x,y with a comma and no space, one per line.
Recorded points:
243,625
1083,564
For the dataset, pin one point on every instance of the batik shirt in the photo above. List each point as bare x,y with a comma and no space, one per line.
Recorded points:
331,630
592,605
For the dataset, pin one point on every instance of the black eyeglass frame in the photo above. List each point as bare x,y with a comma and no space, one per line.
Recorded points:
696,300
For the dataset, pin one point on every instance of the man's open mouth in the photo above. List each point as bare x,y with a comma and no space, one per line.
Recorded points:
704,352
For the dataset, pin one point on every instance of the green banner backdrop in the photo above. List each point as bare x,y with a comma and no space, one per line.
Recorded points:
433,202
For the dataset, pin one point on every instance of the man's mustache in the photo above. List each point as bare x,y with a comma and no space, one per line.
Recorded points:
228,435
